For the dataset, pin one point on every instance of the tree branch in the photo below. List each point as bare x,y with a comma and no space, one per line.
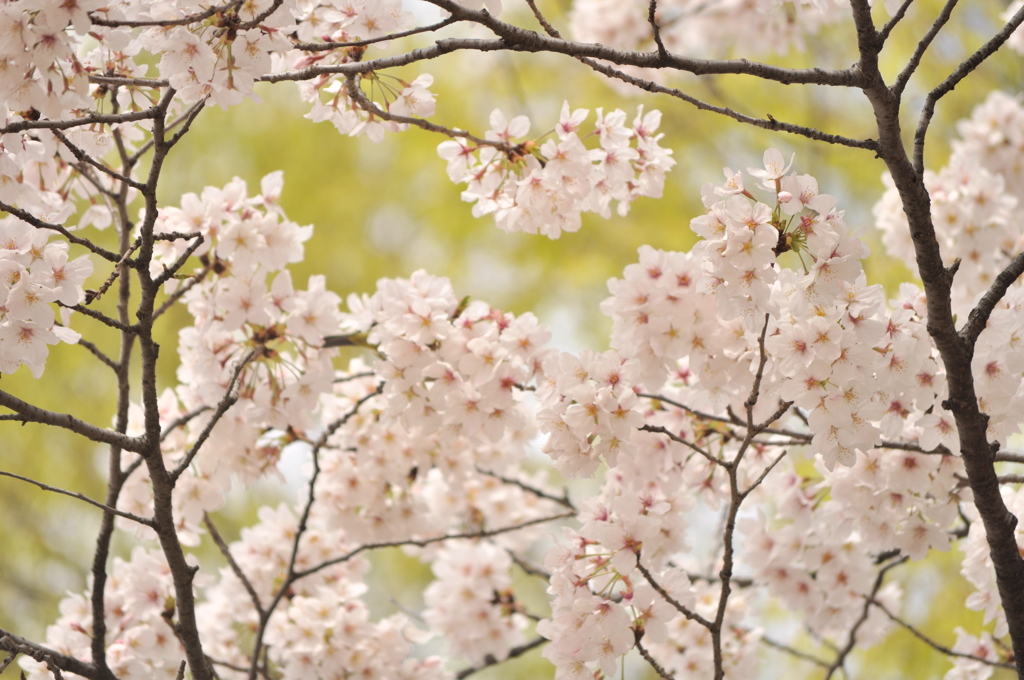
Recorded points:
769,123
27,413
512,653
10,642
226,552
978,318
25,216
81,497
958,74
935,645
325,46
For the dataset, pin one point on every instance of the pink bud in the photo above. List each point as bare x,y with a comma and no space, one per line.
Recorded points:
785,197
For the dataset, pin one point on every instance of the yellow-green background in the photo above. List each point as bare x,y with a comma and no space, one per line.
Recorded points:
388,209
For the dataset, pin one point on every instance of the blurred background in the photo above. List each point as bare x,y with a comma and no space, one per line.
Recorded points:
387,209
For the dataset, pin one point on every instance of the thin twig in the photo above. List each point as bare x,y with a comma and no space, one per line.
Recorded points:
932,643
318,47
658,429
679,606
922,46
958,74
490,660
652,19
83,157
226,402
226,552
978,318
91,296
658,668
794,652
182,420
544,23
98,353
540,493
359,98
851,639
82,497
25,216
883,35
29,413
769,123
422,543
183,21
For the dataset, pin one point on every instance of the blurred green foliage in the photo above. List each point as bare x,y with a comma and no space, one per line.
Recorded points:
388,209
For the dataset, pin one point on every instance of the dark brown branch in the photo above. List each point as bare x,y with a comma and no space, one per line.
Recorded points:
226,402
357,95
658,429
180,262
520,40
652,19
883,35
186,122
958,74
10,642
769,123
226,552
794,652
181,421
92,296
516,651
88,119
764,473
81,497
935,645
679,606
318,47
544,23
658,668
25,216
922,46
27,413
851,639
978,318
148,144
259,18
539,493
83,157
180,291
103,318
515,39
422,543
98,353
291,576
183,21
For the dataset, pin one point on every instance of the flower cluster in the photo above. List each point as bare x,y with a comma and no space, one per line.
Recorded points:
471,604
256,339
34,276
139,613
701,28
544,187
324,628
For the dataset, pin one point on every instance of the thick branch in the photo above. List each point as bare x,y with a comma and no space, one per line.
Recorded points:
33,414
10,642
